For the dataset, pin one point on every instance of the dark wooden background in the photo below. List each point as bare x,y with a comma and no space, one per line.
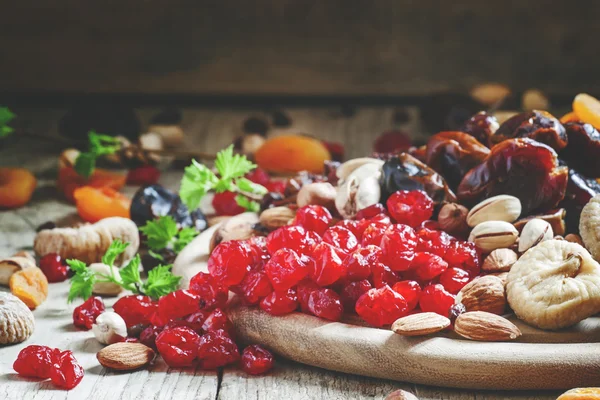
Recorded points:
297,47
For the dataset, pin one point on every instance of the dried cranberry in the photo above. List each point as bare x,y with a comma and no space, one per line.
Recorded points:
256,360
373,234
276,186
290,237
178,346
352,292
280,303
464,255
85,315
285,269
66,372
148,335
258,244
453,279
216,349
371,211
426,266
381,219
54,267
341,238
178,304
410,207
217,320
258,175
356,227
382,275
410,290
398,245
436,299
225,204
304,289
325,303
313,218
196,320
255,286
328,266
229,262
382,306
135,310
144,175
433,241
358,263
211,293
35,362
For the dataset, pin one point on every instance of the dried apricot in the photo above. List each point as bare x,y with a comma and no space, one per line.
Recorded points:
16,187
587,109
569,117
589,393
292,153
30,285
94,204
69,181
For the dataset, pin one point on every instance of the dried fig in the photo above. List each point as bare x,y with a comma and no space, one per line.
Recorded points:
583,151
589,226
452,154
481,126
523,168
16,320
554,285
537,125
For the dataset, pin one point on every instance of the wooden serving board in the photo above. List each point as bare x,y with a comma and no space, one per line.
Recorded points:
538,360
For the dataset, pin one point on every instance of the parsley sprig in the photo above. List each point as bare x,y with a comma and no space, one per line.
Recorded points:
99,145
159,283
163,233
198,180
6,116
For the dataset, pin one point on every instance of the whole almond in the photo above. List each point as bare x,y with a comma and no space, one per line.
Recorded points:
498,208
483,294
492,235
420,324
534,232
499,260
125,356
485,327
276,217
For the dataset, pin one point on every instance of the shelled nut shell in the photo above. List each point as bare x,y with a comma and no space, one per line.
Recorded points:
16,320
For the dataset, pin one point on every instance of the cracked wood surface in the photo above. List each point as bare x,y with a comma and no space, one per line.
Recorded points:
207,130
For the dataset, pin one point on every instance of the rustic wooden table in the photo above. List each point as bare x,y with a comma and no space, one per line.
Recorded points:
207,130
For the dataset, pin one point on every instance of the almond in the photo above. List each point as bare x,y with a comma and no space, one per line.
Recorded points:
420,324
276,217
125,356
485,327
483,294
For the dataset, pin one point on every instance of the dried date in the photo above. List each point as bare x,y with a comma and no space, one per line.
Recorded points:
537,125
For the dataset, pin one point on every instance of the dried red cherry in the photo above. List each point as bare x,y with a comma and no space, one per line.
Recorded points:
358,263
537,125
66,372
54,267
211,293
382,275
426,266
453,279
382,306
325,303
356,227
178,304
178,346
435,298
373,233
226,204
290,237
313,218
149,334
255,286
84,316
196,320
464,255
285,269
218,320
327,266
229,262
303,290
398,245
280,303
135,309
522,168
256,360
216,349
410,290
434,241
481,126
352,292
370,212
341,238
35,362
410,207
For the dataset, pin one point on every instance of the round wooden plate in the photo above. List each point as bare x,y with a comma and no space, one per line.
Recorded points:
539,360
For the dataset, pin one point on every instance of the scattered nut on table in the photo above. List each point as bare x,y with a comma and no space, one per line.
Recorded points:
109,328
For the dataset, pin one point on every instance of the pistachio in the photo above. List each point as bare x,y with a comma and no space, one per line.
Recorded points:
534,232
350,166
499,260
498,208
276,217
67,158
354,194
492,235
238,227
320,193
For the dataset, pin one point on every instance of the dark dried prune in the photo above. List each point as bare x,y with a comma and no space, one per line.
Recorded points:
481,126
583,150
404,172
151,202
452,154
537,125
523,168
579,191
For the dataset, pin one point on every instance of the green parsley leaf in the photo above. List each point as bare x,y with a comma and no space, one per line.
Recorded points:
85,164
99,145
231,166
184,237
247,186
116,248
161,281
155,255
196,182
130,274
5,117
160,232
82,282
247,204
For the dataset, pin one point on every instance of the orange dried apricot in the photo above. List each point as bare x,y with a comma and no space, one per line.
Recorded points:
569,117
69,181
292,153
94,204
587,109
16,187
590,393
30,285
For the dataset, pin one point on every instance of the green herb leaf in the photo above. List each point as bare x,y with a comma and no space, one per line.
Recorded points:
99,145
231,166
5,117
85,164
196,182
184,237
161,281
116,248
82,282
247,204
156,255
130,274
247,186
160,232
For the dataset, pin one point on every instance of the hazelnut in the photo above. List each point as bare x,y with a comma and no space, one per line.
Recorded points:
320,193
453,219
483,294
499,260
109,328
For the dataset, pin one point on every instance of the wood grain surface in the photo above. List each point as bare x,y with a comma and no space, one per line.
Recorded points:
209,130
